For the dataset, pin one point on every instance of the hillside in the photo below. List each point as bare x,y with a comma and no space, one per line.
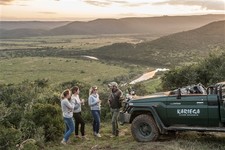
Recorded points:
46,25
152,25
155,26
23,32
168,50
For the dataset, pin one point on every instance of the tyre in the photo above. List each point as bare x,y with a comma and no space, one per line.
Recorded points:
144,129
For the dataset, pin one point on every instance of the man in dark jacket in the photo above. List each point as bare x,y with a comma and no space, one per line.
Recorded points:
115,105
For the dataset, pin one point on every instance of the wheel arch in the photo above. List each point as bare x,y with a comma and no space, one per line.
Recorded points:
136,111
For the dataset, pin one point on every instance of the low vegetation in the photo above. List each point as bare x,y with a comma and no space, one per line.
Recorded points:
179,141
208,71
71,42
58,70
31,119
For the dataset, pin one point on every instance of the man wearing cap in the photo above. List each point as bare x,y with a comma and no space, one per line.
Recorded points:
115,104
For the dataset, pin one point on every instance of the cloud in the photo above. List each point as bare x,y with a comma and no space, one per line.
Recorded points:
6,2
98,3
48,13
103,3
10,2
204,4
136,4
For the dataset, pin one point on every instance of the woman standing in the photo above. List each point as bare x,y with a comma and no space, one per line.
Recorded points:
94,103
75,99
67,111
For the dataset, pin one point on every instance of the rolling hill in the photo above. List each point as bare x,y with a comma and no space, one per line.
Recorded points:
45,25
159,26
23,32
155,26
168,50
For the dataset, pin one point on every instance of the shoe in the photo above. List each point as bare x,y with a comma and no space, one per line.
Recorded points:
98,135
68,142
112,136
77,136
63,142
95,133
84,138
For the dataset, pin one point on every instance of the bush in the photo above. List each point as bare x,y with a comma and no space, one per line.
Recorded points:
31,110
50,118
208,71
9,137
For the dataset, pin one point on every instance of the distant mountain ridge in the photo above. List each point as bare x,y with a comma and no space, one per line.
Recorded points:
157,26
164,25
168,50
44,25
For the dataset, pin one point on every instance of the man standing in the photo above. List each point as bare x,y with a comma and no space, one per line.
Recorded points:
115,104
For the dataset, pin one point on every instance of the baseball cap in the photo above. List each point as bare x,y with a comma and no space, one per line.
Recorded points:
113,84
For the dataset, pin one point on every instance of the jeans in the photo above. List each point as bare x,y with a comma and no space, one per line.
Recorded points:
69,128
79,120
96,122
115,115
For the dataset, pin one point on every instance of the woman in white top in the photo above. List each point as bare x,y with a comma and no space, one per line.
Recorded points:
94,103
67,111
77,112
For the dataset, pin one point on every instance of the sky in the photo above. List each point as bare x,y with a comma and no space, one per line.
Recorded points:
84,10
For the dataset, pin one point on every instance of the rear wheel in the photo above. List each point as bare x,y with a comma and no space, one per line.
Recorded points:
144,129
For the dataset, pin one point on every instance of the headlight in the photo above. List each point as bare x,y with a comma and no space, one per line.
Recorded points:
131,104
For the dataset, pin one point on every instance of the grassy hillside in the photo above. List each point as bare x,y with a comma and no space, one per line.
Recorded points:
70,42
169,50
184,47
59,70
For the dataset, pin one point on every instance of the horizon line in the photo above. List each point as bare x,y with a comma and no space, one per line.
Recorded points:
92,19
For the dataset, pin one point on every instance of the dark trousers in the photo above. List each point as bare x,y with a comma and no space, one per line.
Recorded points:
79,121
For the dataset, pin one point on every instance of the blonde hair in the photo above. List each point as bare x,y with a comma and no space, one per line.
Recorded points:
65,93
92,89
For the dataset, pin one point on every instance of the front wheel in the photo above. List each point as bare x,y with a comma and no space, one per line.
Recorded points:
144,129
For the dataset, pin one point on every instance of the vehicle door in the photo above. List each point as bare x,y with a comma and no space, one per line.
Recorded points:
188,109
222,102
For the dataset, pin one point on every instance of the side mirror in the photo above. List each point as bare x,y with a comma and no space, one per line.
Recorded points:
178,94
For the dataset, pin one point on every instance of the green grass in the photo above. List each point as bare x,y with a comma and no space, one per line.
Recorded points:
71,42
152,85
58,70
180,141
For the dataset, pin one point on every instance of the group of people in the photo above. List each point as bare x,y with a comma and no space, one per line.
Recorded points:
71,111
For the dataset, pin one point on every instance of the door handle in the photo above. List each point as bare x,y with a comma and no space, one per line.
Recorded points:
200,102
175,103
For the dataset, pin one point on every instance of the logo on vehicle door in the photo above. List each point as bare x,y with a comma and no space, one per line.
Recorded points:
188,112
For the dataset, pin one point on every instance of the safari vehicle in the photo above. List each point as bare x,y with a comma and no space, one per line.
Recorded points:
193,108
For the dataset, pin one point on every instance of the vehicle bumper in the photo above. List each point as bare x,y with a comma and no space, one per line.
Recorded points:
124,118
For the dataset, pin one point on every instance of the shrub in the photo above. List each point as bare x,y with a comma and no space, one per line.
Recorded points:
50,118
208,71
9,137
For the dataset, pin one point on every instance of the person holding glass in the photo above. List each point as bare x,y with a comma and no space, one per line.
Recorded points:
94,103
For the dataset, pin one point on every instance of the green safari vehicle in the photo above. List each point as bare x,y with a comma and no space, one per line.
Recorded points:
193,108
